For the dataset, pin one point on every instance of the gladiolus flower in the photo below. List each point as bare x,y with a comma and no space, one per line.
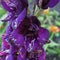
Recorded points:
29,36
24,38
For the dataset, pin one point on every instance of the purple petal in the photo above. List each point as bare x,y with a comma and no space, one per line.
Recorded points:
52,3
9,29
9,57
43,35
5,5
19,39
47,3
21,16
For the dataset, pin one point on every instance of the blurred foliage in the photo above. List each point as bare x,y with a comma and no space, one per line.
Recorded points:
47,19
2,11
2,25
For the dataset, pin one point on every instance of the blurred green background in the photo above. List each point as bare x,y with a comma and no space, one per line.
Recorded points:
49,19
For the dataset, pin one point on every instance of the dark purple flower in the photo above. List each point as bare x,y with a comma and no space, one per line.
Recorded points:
29,36
30,28
28,25
24,35
44,4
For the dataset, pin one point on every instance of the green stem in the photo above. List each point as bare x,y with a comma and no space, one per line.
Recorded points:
51,37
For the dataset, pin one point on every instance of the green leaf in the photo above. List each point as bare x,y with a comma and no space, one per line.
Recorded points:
57,23
2,11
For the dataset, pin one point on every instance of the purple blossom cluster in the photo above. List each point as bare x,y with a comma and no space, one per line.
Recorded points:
24,38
